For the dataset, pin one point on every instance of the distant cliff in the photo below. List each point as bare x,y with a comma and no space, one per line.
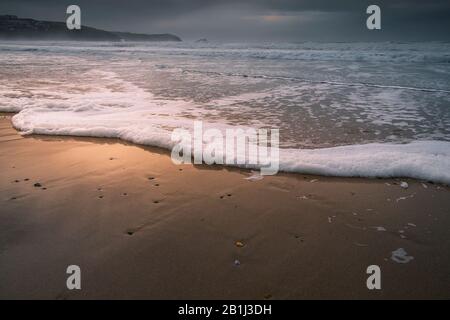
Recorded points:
14,28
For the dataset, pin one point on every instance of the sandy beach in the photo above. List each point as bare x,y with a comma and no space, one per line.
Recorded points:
141,227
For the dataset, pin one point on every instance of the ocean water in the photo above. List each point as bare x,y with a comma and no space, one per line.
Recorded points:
345,109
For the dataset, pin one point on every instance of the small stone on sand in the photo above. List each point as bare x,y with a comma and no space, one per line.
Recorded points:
404,198
404,185
37,185
239,244
361,244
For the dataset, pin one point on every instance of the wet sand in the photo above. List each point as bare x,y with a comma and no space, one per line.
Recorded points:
141,227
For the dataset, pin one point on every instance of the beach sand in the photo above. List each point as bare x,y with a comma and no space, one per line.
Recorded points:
141,227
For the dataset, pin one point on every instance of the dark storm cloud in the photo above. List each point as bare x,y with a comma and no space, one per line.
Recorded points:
325,20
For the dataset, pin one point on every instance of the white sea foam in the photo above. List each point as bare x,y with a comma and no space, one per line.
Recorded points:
125,111
427,160
401,256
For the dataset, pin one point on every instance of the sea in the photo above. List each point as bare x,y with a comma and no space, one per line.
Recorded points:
377,109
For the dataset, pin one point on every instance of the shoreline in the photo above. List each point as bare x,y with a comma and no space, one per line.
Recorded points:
141,227
315,163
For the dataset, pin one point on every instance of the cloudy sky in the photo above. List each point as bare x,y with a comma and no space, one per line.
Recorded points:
260,20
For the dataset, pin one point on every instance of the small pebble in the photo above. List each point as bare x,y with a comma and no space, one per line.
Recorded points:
239,244
37,185
237,262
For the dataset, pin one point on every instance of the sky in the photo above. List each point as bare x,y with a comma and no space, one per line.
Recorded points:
253,20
